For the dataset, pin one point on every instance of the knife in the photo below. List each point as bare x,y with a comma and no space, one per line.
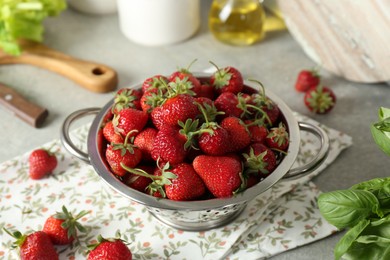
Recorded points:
27,111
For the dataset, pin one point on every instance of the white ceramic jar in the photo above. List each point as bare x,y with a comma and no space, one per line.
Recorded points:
158,22
97,7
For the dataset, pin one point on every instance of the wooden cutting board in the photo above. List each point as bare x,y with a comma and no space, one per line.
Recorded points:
350,38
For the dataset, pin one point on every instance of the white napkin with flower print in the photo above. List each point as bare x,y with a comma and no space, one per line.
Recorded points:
284,217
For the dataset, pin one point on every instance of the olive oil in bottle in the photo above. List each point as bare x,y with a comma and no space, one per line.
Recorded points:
237,22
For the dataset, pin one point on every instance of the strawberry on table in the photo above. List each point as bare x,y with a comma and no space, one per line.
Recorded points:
307,79
109,249
320,99
34,246
221,174
62,227
41,163
278,138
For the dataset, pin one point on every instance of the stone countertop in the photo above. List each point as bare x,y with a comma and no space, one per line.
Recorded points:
275,61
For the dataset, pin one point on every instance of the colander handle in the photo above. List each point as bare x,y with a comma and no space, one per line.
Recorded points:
65,132
318,159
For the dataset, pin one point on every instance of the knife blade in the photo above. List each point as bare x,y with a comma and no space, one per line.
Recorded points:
29,112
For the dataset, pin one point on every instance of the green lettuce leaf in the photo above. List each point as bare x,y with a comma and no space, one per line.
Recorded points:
23,19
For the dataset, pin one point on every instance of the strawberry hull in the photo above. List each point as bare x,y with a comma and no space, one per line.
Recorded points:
200,214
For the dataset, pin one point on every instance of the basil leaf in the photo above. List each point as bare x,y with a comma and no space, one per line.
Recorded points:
367,251
373,239
381,130
346,208
381,139
383,113
370,185
380,187
349,238
380,227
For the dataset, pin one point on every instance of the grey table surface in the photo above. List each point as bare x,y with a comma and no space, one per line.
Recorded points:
275,61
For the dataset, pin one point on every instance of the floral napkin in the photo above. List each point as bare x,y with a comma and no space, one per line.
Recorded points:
284,217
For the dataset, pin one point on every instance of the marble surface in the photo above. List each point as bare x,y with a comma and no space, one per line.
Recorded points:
275,61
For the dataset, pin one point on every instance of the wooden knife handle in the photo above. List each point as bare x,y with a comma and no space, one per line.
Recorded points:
93,76
21,107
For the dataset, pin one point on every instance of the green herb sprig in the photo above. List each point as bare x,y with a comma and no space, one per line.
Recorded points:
363,209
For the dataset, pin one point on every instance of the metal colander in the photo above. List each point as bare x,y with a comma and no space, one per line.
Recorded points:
202,214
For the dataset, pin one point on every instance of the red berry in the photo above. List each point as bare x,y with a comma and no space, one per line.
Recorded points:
221,174
320,99
227,79
36,245
42,163
278,138
307,79
62,227
109,249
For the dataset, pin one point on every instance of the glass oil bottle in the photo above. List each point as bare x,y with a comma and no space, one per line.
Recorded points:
237,22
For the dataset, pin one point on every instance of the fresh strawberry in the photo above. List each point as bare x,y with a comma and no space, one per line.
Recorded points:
204,90
259,159
186,75
320,99
153,84
138,182
221,174
214,142
125,153
306,80
130,119
34,246
204,100
157,117
126,98
227,79
277,138
62,227
257,129
109,249
238,133
176,109
111,134
229,103
212,138
144,141
186,186
169,145
41,163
